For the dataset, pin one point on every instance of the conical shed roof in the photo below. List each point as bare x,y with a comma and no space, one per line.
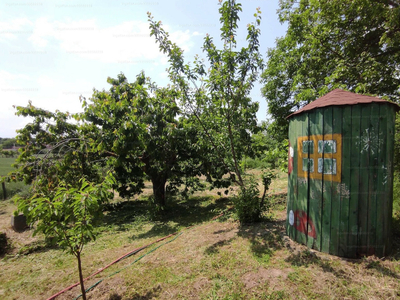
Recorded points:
341,97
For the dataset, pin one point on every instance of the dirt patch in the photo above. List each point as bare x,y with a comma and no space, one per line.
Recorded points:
201,284
16,240
110,289
274,277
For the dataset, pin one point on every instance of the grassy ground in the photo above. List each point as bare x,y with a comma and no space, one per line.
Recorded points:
5,165
12,188
212,260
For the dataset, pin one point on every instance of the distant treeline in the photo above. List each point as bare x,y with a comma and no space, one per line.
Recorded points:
7,143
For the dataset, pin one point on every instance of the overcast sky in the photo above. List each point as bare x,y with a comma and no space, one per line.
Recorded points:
52,51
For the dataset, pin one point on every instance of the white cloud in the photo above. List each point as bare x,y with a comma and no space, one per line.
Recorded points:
11,30
127,42
44,92
42,30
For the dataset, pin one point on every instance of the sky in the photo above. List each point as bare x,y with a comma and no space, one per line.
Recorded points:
53,51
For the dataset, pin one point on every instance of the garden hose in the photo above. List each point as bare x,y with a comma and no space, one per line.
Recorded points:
128,255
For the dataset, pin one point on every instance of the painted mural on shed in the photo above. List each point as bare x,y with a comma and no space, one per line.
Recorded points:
340,184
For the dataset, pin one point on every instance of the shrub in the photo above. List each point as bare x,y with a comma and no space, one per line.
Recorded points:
248,204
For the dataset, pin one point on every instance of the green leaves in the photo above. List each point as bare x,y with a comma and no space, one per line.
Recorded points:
216,95
70,216
140,124
353,45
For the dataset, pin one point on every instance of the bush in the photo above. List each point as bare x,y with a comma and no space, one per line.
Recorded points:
254,163
248,204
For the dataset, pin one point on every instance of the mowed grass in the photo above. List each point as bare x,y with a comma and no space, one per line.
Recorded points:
5,165
210,259
12,188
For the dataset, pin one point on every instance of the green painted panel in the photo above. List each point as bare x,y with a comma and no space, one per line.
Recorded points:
345,183
297,130
354,181
326,185
332,168
366,141
375,142
389,154
308,147
315,191
302,187
292,177
382,195
341,185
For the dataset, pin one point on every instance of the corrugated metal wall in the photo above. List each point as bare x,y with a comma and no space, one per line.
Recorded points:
340,185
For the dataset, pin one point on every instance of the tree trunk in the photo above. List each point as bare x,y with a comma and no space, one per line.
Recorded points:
78,256
159,190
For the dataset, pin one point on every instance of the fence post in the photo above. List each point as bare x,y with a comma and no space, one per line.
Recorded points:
4,190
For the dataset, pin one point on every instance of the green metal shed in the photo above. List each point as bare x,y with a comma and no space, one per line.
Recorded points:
340,182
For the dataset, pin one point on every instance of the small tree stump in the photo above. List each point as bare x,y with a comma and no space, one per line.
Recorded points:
18,223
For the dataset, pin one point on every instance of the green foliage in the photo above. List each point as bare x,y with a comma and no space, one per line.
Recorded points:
266,177
248,204
68,219
70,216
352,45
270,148
65,170
276,155
7,153
216,94
8,143
55,150
253,163
141,132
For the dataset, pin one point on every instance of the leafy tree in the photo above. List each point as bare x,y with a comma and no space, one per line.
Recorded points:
354,45
217,96
70,217
217,93
67,186
54,150
141,127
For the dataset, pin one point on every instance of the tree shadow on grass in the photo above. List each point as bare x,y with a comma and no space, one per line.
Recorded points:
39,246
376,265
158,229
306,258
178,213
151,294
265,237
195,210
125,213
214,248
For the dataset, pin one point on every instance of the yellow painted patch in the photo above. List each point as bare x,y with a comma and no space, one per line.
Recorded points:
320,155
